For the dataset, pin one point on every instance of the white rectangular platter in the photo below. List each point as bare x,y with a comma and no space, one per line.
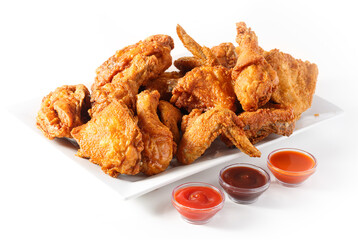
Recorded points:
134,186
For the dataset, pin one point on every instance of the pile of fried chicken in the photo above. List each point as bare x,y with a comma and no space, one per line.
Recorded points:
138,116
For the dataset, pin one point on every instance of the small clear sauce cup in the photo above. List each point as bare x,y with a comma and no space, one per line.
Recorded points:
244,195
291,178
196,215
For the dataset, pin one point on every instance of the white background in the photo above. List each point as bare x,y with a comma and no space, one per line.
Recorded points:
45,44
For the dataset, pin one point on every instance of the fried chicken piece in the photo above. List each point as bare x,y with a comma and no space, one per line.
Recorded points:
226,54
254,79
124,91
158,141
297,81
164,84
272,118
202,130
223,54
204,88
203,54
121,76
186,64
144,60
62,110
112,140
170,117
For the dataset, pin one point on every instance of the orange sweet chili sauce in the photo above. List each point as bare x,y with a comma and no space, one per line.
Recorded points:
291,166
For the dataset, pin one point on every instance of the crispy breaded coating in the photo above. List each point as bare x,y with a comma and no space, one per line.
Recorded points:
159,146
297,81
122,75
186,64
203,53
112,140
254,79
204,88
225,54
272,118
62,110
149,57
202,130
164,84
170,117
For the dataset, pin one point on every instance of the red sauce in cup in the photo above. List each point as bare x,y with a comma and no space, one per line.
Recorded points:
291,166
197,202
198,197
292,161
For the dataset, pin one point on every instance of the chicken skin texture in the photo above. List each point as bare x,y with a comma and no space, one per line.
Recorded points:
170,117
148,57
201,130
271,118
164,84
111,139
254,79
224,54
204,88
297,81
62,110
203,54
159,146
121,76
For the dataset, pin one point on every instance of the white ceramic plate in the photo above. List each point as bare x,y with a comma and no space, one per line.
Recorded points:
134,186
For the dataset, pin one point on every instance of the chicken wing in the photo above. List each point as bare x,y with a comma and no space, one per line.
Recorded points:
164,84
297,81
272,118
158,141
254,79
121,76
203,129
112,140
204,88
62,110
203,54
223,54
144,60
170,117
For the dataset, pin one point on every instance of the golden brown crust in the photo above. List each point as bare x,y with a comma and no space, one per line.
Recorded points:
121,76
225,54
170,117
112,140
258,125
164,84
204,88
149,57
201,131
186,64
297,81
159,146
253,78
254,85
62,110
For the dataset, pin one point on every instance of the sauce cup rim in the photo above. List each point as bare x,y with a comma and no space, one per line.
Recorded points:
251,190
287,172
